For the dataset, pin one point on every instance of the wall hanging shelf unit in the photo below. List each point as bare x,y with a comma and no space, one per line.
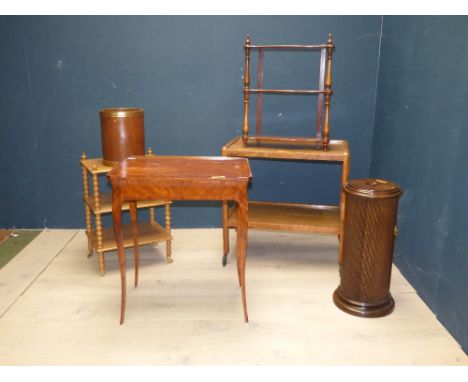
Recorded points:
321,138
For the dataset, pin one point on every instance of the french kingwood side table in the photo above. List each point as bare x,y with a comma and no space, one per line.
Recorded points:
179,178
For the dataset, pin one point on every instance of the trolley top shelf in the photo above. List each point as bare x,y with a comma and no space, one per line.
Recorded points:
295,46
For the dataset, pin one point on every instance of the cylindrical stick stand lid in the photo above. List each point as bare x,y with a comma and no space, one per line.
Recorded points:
372,188
122,134
368,238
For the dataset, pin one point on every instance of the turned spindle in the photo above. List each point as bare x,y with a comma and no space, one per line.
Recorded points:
328,84
245,127
97,209
167,208
87,209
149,153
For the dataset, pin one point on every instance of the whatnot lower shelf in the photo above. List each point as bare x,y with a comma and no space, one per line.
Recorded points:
105,204
290,217
148,233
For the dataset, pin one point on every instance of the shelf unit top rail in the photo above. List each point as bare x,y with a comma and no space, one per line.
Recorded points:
273,139
290,91
293,46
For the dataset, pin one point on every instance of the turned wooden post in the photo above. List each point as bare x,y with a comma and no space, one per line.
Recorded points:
87,209
152,216
328,84
245,127
167,208
97,208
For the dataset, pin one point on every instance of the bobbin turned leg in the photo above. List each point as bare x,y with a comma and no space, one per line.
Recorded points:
89,226
99,240
152,218
90,245
167,208
102,263
99,235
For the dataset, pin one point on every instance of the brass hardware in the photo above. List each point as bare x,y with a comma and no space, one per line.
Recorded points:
396,231
122,112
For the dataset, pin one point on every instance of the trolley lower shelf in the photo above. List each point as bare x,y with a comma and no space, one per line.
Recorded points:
290,217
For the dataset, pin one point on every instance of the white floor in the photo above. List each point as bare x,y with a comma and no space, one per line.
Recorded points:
56,309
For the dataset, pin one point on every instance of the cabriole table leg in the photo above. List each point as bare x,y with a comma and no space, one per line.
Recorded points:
117,224
242,225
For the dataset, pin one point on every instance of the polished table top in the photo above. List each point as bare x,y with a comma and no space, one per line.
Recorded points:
159,168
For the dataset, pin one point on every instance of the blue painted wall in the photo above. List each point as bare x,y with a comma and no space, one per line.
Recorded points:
57,72
421,142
